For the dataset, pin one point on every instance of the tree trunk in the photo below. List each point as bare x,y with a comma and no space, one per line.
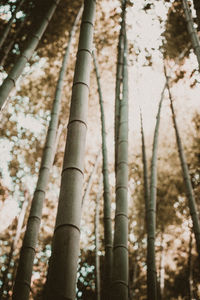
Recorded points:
7,49
61,279
106,195
151,214
24,272
119,76
8,26
91,178
186,177
162,267
120,248
14,244
97,261
192,31
190,277
145,170
32,43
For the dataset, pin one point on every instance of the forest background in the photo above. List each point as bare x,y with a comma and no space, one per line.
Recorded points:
155,31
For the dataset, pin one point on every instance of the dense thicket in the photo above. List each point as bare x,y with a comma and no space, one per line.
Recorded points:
153,30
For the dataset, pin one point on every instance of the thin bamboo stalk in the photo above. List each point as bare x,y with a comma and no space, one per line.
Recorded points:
106,193
91,178
96,230
145,169
120,248
61,279
151,213
9,24
119,78
192,31
186,176
32,43
24,271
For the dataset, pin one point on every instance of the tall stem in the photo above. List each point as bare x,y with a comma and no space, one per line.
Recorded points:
61,279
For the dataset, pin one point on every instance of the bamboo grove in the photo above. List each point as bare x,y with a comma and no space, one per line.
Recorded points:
117,221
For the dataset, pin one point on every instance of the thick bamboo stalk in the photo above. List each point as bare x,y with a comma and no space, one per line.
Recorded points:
106,193
192,31
120,248
186,177
118,82
24,272
145,169
9,24
32,43
61,280
96,230
151,213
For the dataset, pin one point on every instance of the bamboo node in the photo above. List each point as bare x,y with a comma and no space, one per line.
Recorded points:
121,214
120,246
119,282
75,168
67,225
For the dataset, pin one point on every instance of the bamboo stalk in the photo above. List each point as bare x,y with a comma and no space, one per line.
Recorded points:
145,169
32,43
61,279
151,213
106,193
186,176
192,31
120,248
9,24
24,271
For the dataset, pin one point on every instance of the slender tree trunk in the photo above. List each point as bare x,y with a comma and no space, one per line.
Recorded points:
106,194
120,248
7,49
24,272
190,277
14,243
145,170
91,178
197,8
186,177
61,279
97,261
9,24
118,83
151,214
162,268
192,31
32,43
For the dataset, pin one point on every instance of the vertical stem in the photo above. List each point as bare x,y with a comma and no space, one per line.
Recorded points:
106,194
120,248
145,169
97,261
151,214
32,43
61,279
27,254
192,31
8,26
186,177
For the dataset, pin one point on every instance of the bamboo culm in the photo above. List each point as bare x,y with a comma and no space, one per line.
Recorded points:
120,246
119,78
145,169
96,230
106,193
186,177
91,178
192,31
32,43
9,24
24,271
61,279
151,213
